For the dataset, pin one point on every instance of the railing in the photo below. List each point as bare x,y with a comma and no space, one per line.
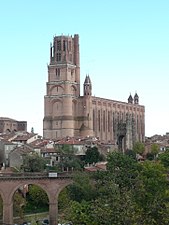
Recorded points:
34,175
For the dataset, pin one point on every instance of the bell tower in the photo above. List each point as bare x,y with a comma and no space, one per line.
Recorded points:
62,87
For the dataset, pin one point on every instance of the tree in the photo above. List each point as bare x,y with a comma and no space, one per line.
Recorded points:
80,213
149,156
127,193
155,149
122,169
83,188
63,200
36,197
69,160
164,158
131,153
151,195
33,163
139,148
92,155
66,149
19,204
113,206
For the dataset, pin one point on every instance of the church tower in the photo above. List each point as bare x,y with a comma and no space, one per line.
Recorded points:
86,128
62,88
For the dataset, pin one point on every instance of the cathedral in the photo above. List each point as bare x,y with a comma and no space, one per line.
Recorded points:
67,113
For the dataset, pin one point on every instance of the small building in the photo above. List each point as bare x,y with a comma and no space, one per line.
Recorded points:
5,148
8,125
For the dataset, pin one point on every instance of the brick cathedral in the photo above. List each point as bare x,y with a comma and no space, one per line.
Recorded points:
66,113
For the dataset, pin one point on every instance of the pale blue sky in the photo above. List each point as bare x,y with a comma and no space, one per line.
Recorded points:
124,47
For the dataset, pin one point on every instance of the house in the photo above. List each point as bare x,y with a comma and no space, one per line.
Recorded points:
5,148
17,154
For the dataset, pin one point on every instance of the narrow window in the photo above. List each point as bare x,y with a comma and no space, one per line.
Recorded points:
58,57
99,119
108,121
104,121
59,45
94,121
58,72
64,45
70,46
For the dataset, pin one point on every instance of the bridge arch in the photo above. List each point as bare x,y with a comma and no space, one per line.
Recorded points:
52,187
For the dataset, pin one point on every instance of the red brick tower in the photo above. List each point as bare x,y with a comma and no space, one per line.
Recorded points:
63,87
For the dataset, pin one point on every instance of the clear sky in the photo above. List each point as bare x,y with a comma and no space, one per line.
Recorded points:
124,47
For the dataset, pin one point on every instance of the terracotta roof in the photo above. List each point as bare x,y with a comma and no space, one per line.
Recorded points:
24,137
22,150
98,166
6,142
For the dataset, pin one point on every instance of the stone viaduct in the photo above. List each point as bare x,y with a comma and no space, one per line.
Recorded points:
9,183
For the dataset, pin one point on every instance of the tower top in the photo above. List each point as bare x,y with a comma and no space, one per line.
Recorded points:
87,86
65,50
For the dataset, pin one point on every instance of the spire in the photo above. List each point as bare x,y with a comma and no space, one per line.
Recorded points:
87,86
130,99
136,98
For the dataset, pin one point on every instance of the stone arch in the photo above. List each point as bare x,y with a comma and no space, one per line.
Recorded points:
56,89
57,106
52,187
28,183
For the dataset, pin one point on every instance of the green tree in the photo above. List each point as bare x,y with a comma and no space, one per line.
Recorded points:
113,206
69,160
122,169
80,213
164,158
82,188
139,148
66,149
19,204
149,156
33,163
128,193
36,197
92,155
155,149
131,153
151,194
